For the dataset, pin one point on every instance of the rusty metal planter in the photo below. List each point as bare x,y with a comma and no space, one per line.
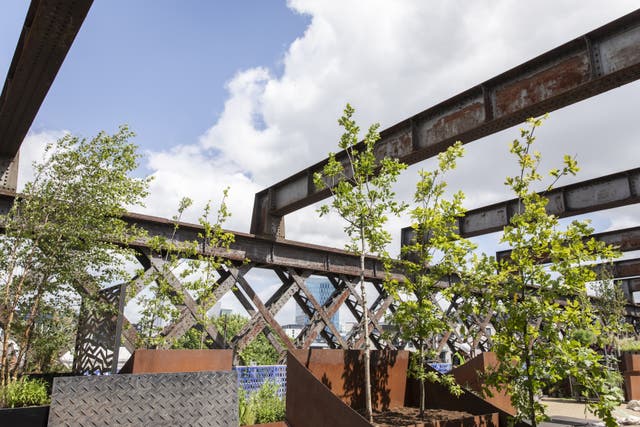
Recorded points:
631,372
167,361
342,372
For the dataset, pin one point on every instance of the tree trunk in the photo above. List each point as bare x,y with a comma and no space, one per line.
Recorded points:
422,388
365,322
26,338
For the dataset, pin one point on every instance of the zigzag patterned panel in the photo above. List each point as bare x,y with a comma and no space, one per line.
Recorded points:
180,399
97,340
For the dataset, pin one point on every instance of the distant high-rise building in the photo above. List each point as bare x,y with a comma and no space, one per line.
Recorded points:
321,289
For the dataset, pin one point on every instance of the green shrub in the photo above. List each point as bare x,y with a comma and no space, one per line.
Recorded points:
262,406
629,345
24,392
245,411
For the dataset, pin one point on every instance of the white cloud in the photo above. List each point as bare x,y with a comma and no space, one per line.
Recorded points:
32,150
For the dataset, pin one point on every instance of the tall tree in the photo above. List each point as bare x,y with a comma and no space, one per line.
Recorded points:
361,185
540,297
65,234
437,254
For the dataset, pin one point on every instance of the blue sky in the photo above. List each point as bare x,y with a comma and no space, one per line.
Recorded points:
160,66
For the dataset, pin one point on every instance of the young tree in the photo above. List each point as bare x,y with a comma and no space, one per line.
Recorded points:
610,307
437,254
362,195
196,263
538,339
65,234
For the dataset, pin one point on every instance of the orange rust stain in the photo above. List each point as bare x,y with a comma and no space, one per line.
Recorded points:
396,146
455,123
543,85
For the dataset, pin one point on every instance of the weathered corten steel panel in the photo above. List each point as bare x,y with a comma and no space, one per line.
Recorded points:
144,361
342,372
48,32
601,60
471,373
311,404
439,397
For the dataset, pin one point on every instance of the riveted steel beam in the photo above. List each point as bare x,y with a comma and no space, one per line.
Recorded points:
603,59
606,192
47,34
262,252
625,240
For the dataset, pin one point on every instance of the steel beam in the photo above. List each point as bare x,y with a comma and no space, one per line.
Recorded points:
262,252
601,60
48,32
624,240
606,192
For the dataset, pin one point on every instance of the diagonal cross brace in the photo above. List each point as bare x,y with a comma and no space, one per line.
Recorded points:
252,312
186,320
319,310
372,318
264,312
335,301
257,323
187,299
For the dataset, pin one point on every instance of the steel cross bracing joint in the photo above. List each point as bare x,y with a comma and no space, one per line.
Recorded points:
600,60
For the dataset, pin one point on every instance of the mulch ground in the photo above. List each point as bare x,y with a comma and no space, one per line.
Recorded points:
410,416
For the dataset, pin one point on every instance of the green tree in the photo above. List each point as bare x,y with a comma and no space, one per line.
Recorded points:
538,340
437,254
610,307
361,185
65,234
259,351
53,335
196,264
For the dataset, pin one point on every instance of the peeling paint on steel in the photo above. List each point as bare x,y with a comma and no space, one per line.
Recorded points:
542,85
598,194
291,191
497,217
620,51
451,123
395,146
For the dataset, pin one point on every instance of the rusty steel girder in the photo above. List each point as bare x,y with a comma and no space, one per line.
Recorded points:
606,192
600,60
48,32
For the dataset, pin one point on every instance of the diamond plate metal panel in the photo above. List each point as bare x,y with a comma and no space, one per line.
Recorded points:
179,399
